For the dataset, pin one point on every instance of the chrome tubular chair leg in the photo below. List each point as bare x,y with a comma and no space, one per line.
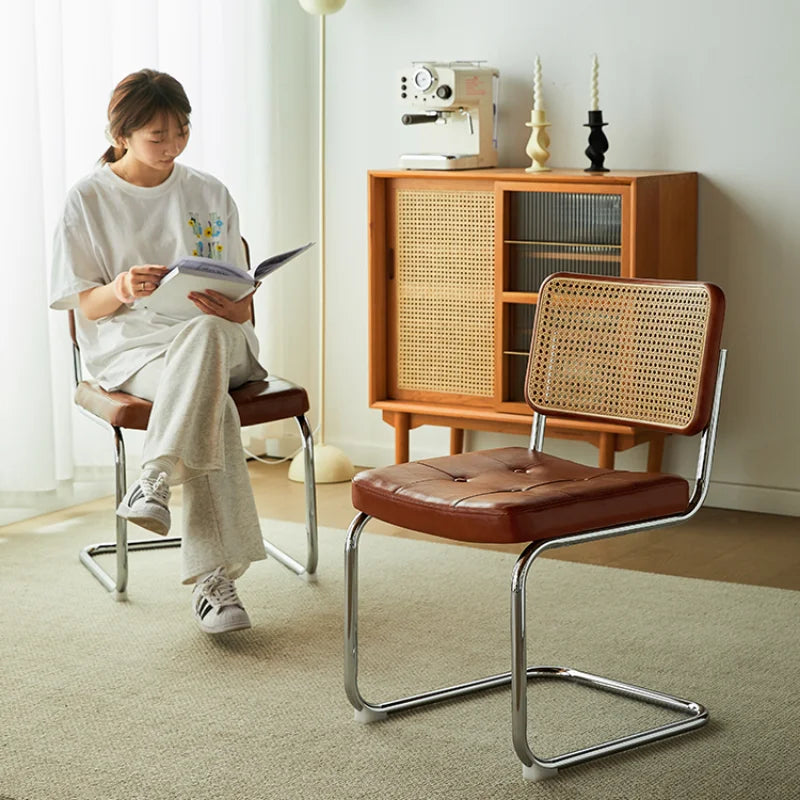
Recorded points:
307,572
118,585
121,482
534,768
364,710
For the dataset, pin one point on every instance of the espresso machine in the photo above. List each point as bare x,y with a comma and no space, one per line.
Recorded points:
450,110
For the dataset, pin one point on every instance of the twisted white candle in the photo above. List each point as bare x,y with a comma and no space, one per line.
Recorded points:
595,106
537,85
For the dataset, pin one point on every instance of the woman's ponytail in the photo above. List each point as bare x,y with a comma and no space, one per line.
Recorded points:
110,155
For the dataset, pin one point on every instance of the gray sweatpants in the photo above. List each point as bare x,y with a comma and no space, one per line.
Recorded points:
195,420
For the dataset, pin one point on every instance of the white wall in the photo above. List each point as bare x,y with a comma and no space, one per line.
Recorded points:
697,85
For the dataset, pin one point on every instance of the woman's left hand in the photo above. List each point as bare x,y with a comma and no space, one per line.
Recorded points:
216,304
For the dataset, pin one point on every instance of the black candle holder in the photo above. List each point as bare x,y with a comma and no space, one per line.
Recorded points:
598,144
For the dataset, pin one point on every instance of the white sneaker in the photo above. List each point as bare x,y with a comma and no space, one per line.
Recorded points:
146,504
216,606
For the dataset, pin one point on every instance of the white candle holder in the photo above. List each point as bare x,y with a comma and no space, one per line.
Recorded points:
539,141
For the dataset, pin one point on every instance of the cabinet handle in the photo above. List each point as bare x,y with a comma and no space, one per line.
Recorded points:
390,263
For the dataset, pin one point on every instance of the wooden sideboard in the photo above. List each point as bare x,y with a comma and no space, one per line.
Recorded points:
455,263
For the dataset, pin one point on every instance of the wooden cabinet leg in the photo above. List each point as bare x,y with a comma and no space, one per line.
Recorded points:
655,453
401,428
606,451
456,441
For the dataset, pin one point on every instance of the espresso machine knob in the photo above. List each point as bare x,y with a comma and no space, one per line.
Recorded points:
444,92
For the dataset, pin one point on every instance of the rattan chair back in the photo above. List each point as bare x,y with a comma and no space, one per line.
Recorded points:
637,351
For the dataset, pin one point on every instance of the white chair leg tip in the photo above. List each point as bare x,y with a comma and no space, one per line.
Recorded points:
120,597
367,715
536,773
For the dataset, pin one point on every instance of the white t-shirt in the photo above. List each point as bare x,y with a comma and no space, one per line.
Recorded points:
110,225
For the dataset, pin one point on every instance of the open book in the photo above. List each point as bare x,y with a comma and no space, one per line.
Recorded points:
195,274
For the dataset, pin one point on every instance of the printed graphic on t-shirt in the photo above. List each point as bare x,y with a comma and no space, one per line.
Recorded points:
208,234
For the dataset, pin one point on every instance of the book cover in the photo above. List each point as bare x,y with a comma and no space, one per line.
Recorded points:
196,274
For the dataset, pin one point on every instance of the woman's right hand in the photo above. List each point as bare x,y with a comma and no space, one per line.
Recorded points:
138,281
142,280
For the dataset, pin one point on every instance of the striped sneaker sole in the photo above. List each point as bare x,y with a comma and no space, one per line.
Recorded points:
150,516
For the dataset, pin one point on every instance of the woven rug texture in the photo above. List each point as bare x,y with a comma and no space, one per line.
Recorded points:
114,701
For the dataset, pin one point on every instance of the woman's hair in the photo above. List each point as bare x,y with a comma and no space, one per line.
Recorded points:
136,100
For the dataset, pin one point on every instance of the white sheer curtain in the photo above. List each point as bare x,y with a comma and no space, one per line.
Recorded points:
244,65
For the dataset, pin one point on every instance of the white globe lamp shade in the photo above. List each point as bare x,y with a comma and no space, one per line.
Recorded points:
321,6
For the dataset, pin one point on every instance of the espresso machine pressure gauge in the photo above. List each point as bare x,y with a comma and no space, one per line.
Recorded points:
424,79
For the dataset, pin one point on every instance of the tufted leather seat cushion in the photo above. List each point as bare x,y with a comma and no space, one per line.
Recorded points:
268,400
513,494
258,402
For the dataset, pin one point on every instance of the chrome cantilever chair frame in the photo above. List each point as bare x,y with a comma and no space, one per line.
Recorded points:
118,583
535,768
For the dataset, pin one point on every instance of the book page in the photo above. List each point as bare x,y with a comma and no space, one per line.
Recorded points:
272,263
209,266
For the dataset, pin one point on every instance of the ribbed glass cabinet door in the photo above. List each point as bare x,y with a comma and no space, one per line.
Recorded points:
543,232
519,324
561,232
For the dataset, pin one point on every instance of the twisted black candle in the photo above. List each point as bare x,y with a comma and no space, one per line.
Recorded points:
598,144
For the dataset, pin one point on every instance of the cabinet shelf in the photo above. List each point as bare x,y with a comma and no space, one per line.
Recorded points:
523,298
563,244
611,257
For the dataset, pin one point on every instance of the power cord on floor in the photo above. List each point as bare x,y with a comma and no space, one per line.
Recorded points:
274,461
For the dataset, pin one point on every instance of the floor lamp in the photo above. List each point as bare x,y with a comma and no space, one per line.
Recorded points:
331,465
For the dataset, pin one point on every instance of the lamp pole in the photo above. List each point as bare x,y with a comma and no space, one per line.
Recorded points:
331,465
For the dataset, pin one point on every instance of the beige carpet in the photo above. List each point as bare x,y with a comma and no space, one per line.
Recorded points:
127,700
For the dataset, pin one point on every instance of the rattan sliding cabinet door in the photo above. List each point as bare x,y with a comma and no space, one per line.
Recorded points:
441,304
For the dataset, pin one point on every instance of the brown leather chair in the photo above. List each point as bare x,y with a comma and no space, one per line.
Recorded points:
610,349
258,402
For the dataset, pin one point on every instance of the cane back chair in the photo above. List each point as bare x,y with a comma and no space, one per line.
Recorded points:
611,349
257,402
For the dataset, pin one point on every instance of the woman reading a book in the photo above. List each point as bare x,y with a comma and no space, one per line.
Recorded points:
139,211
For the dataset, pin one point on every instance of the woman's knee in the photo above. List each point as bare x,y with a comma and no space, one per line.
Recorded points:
209,334
209,328
210,323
